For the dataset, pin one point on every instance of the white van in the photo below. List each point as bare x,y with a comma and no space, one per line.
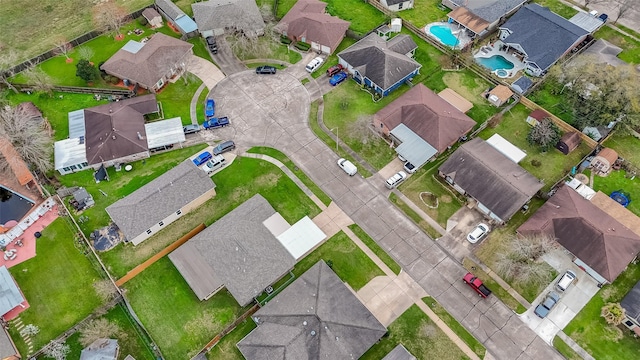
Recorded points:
347,166
314,64
566,280
214,164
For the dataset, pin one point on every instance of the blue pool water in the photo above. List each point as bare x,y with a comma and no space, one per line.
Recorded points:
12,206
495,62
444,34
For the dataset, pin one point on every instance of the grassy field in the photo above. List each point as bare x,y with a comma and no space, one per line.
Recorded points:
273,51
558,7
129,339
454,325
590,330
178,322
419,335
176,99
618,180
234,185
24,30
423,188
555,104
362,16
371,244
424,12
565,349
631,47
555,165
627,147
226,349
433,233
56,283
291,166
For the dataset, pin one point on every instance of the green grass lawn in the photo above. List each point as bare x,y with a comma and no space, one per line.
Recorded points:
454,325
284,6
617,180
371,244
56,283
129,339
201,104
590,330
291,166
558,7
627,147
273,51
555,165
362,16
179,323
433,233
200,48
226,349
234,185
555,104
176,98
631,47
424,12
419,335
565,349
333,58
23,29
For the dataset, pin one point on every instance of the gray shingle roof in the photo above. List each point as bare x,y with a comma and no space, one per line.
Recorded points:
239,14
169,8
101,349
490,10
542,34
491,178
6,347
522,84
316,317
399,353
237,251
631,302
373,58
156,200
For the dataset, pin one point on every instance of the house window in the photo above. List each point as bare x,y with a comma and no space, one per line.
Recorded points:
400,6
161,223
178,212
148,231
159,83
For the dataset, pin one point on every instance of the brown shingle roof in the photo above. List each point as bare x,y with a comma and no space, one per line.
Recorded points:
539,114
617,211
428,115
502,92
17,165
149,64
116,129
470,20
308,19
608,154
588,232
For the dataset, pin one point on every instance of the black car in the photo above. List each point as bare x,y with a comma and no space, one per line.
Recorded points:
211,43
266,69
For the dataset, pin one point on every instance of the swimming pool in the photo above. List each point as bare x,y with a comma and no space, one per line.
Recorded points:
12,206
495,62
444,34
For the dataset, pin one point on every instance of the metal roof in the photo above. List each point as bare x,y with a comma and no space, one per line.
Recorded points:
586,21
10,295
413,147
186,24
69,152
133,46
506,148
300,238
76,124
164,132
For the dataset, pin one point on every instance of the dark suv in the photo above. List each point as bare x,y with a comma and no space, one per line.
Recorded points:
211,43
224,147
266,69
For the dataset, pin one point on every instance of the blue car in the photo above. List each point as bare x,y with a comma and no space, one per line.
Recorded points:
210,108
338,78
202,158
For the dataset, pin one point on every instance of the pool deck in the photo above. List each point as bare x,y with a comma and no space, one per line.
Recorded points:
463,38
488,51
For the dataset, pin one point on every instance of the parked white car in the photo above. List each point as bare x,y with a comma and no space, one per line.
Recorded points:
314,64
480,231
566,280
214,164
347,166
396,179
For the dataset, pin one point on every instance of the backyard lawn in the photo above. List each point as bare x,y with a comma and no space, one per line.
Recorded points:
630,47
179,323
362,16
419,335
237,183
558,7
425,12
176,98
590,330
226,349
627,147
618,180
554,165
56,283
555,104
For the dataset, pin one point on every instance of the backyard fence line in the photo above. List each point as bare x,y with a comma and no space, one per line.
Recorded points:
156,350
78,90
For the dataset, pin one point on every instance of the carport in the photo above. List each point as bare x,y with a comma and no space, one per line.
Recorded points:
301,238
412,147
164,133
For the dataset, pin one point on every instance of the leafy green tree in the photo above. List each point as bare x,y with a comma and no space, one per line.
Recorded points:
86,71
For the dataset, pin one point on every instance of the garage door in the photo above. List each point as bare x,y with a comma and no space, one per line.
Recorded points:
325,49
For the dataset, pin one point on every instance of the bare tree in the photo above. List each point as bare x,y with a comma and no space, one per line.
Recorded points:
57,350
8,59
613,313
623,8
105,289
545,134
41,81
362,129
97,329
30,140
85,53
63,46
267,13
109,16
520,261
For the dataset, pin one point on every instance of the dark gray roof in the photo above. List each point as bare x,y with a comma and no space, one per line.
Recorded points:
545,36
169,8
239,14
522,84
631,302
101,349
237,251
491,178
6,346
399,353
316,317
490,10
156,200
374,58
10,295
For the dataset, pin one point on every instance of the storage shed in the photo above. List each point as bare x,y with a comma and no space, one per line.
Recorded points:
499,95
536,116
153,17
568,142
603,162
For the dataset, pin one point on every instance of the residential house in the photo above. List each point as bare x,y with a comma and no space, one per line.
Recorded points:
153,17
397,5
316,317
162,201
537,116
380,64
177,18
422,124
114,133
399,353
498,185
245,251
603,162
601,245
540,37
217,17
151,64
101,349
499,95
631,305
481,17
308,22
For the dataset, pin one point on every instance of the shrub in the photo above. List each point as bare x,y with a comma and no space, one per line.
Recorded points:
285,40
535,162
303,46
142,21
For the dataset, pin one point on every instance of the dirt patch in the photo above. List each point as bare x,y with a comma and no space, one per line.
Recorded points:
446,199
429,199
428,330
268,180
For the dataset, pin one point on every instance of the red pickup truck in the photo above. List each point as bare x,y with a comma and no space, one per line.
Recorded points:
477,285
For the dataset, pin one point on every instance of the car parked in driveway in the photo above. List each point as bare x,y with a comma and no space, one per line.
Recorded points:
396,179
211,43
191,129
480,231
314,64
224,147
334,69
266,69
544,308
410,168
338,78
566,280
202,158
347,166
214,164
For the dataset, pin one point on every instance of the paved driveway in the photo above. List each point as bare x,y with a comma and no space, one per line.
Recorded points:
273,111
205,70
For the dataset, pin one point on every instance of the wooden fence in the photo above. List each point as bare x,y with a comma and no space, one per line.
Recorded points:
79,90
